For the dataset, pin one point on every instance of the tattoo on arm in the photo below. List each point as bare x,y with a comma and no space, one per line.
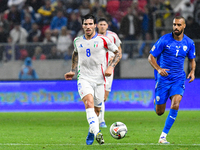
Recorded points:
74,61
116,58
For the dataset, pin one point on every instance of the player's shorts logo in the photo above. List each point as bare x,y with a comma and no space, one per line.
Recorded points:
157,98
79,86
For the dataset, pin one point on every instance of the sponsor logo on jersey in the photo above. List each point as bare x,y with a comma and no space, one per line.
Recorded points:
96,43
184,48
178,46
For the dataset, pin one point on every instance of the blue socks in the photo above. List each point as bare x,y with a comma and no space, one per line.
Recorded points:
170,120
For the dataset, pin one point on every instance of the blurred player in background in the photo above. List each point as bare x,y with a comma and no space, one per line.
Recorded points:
89,55
170,51
102,29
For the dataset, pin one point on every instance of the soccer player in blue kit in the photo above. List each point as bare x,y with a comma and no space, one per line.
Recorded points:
170,51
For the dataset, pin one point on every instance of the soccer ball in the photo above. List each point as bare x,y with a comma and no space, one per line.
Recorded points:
118,130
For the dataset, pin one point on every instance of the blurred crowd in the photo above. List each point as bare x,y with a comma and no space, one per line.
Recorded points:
45,29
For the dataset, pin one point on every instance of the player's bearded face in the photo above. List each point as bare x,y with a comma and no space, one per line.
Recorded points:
89,27
178,26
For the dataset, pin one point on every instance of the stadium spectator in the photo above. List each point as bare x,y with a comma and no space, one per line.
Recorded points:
46,14
147,44
48,37
48,41
18,34
74,25
27,10
6,25
38,54
85,8
58,22
34,32
64,43
96,5
27,72
197,11
192,29
3,5
130,30
27,22
187,9
13,16
36,4
3,39
53,53
18,3
60,6
9,50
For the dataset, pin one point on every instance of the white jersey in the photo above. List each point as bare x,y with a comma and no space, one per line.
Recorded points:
115,39
91,57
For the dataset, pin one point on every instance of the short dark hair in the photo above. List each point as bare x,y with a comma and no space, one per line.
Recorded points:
103,19
89,16
179,17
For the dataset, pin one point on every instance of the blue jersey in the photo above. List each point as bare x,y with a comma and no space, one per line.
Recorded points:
171,55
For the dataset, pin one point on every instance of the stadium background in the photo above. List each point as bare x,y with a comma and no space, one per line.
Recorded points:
133,87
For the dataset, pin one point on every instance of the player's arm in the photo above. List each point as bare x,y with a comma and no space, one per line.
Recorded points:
69,75
152,61
111,59
191,75
116,59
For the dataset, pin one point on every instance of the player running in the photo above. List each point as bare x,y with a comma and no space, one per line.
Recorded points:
172,49
89,55
102,29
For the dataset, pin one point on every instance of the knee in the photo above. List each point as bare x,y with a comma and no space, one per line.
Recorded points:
159,113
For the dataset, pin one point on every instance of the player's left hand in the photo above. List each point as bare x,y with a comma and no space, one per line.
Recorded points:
109,71
191,76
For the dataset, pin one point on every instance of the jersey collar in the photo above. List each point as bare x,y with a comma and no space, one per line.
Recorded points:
92,37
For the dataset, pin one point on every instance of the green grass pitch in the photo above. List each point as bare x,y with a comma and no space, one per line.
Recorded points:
68,131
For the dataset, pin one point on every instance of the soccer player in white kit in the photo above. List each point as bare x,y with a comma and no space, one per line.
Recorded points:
89,56
102,26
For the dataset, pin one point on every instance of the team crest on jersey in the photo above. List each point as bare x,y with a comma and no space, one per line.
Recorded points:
153,48
96,43
184,48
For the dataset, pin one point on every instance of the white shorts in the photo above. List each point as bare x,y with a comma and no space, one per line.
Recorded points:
97,91
109,81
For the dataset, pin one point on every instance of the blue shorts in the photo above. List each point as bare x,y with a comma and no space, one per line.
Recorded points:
166,89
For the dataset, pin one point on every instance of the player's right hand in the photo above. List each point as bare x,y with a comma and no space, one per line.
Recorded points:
69,75
163,72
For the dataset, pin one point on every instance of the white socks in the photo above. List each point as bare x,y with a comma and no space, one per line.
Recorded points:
92,120
101,114
163,135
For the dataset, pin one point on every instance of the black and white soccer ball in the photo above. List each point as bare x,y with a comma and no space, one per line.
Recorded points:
118,130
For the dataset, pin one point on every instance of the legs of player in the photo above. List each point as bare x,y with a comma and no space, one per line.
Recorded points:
91,118
102,112
170,118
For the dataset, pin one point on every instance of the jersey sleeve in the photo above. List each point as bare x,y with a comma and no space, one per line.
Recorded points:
117,40
158,47
75,46
191,54
108,44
